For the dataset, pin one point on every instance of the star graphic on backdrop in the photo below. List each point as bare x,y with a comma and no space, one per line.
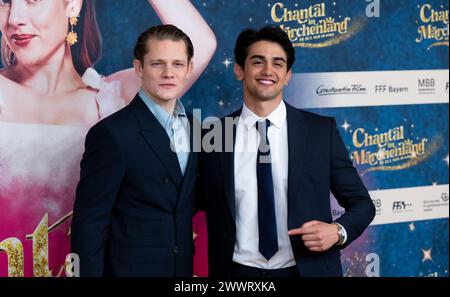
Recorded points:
345,125
446,159
426,255
412,227
221,103
434,183
227,62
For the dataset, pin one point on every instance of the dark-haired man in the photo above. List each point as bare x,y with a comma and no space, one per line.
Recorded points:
268,199
134,201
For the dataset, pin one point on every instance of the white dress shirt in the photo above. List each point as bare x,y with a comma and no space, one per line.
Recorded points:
246,248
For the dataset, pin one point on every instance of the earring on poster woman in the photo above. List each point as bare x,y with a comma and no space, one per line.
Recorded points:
72,36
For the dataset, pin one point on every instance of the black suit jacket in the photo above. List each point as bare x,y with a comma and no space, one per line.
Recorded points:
133,208
318,164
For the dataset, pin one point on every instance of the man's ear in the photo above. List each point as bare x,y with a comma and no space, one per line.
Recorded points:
137,67
73,8
190,68
288,77
238,72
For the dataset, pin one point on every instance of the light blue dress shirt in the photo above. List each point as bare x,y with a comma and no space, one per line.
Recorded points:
176,126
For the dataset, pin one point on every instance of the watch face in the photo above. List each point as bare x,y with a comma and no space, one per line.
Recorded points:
341,234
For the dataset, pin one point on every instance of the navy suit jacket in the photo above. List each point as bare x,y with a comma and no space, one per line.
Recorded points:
318,164
133,208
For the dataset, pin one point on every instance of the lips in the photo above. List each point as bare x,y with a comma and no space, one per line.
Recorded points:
167,85
22,39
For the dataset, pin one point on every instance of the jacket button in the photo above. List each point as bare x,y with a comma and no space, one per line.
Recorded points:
175,249
164,180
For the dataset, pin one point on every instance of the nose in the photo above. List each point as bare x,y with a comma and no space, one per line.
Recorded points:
268,69
167,72
17,14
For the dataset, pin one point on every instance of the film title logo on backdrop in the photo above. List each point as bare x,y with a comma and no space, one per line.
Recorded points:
433,26
387,150
15,251
315,26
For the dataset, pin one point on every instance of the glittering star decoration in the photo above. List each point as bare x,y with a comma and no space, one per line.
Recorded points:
194,235
221,103
411,227
227,62
446,159
426,255
345,125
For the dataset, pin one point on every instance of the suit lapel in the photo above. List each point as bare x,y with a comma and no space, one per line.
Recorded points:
157,138
297,140
227,161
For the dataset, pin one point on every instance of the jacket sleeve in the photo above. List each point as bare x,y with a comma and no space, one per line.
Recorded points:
349,190
102,170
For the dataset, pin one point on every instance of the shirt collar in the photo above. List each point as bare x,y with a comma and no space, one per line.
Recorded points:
163,117
277,117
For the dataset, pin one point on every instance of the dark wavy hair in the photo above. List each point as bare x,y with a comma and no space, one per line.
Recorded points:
85,52
270,33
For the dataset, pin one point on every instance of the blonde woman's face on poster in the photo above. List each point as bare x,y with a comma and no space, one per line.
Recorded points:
35,30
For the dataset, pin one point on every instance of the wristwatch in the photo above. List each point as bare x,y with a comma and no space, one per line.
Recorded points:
341,233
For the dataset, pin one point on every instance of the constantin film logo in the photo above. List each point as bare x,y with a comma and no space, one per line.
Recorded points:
352,89
432,25
397,148
315,25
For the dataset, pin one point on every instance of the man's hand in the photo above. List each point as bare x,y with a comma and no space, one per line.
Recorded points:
317,236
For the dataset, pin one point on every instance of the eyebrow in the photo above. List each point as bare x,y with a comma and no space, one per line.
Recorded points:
263,58
164,61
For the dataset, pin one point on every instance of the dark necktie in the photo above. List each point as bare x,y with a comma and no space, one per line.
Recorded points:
267,225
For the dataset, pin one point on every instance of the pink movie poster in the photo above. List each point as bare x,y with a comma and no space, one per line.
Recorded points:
50,95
